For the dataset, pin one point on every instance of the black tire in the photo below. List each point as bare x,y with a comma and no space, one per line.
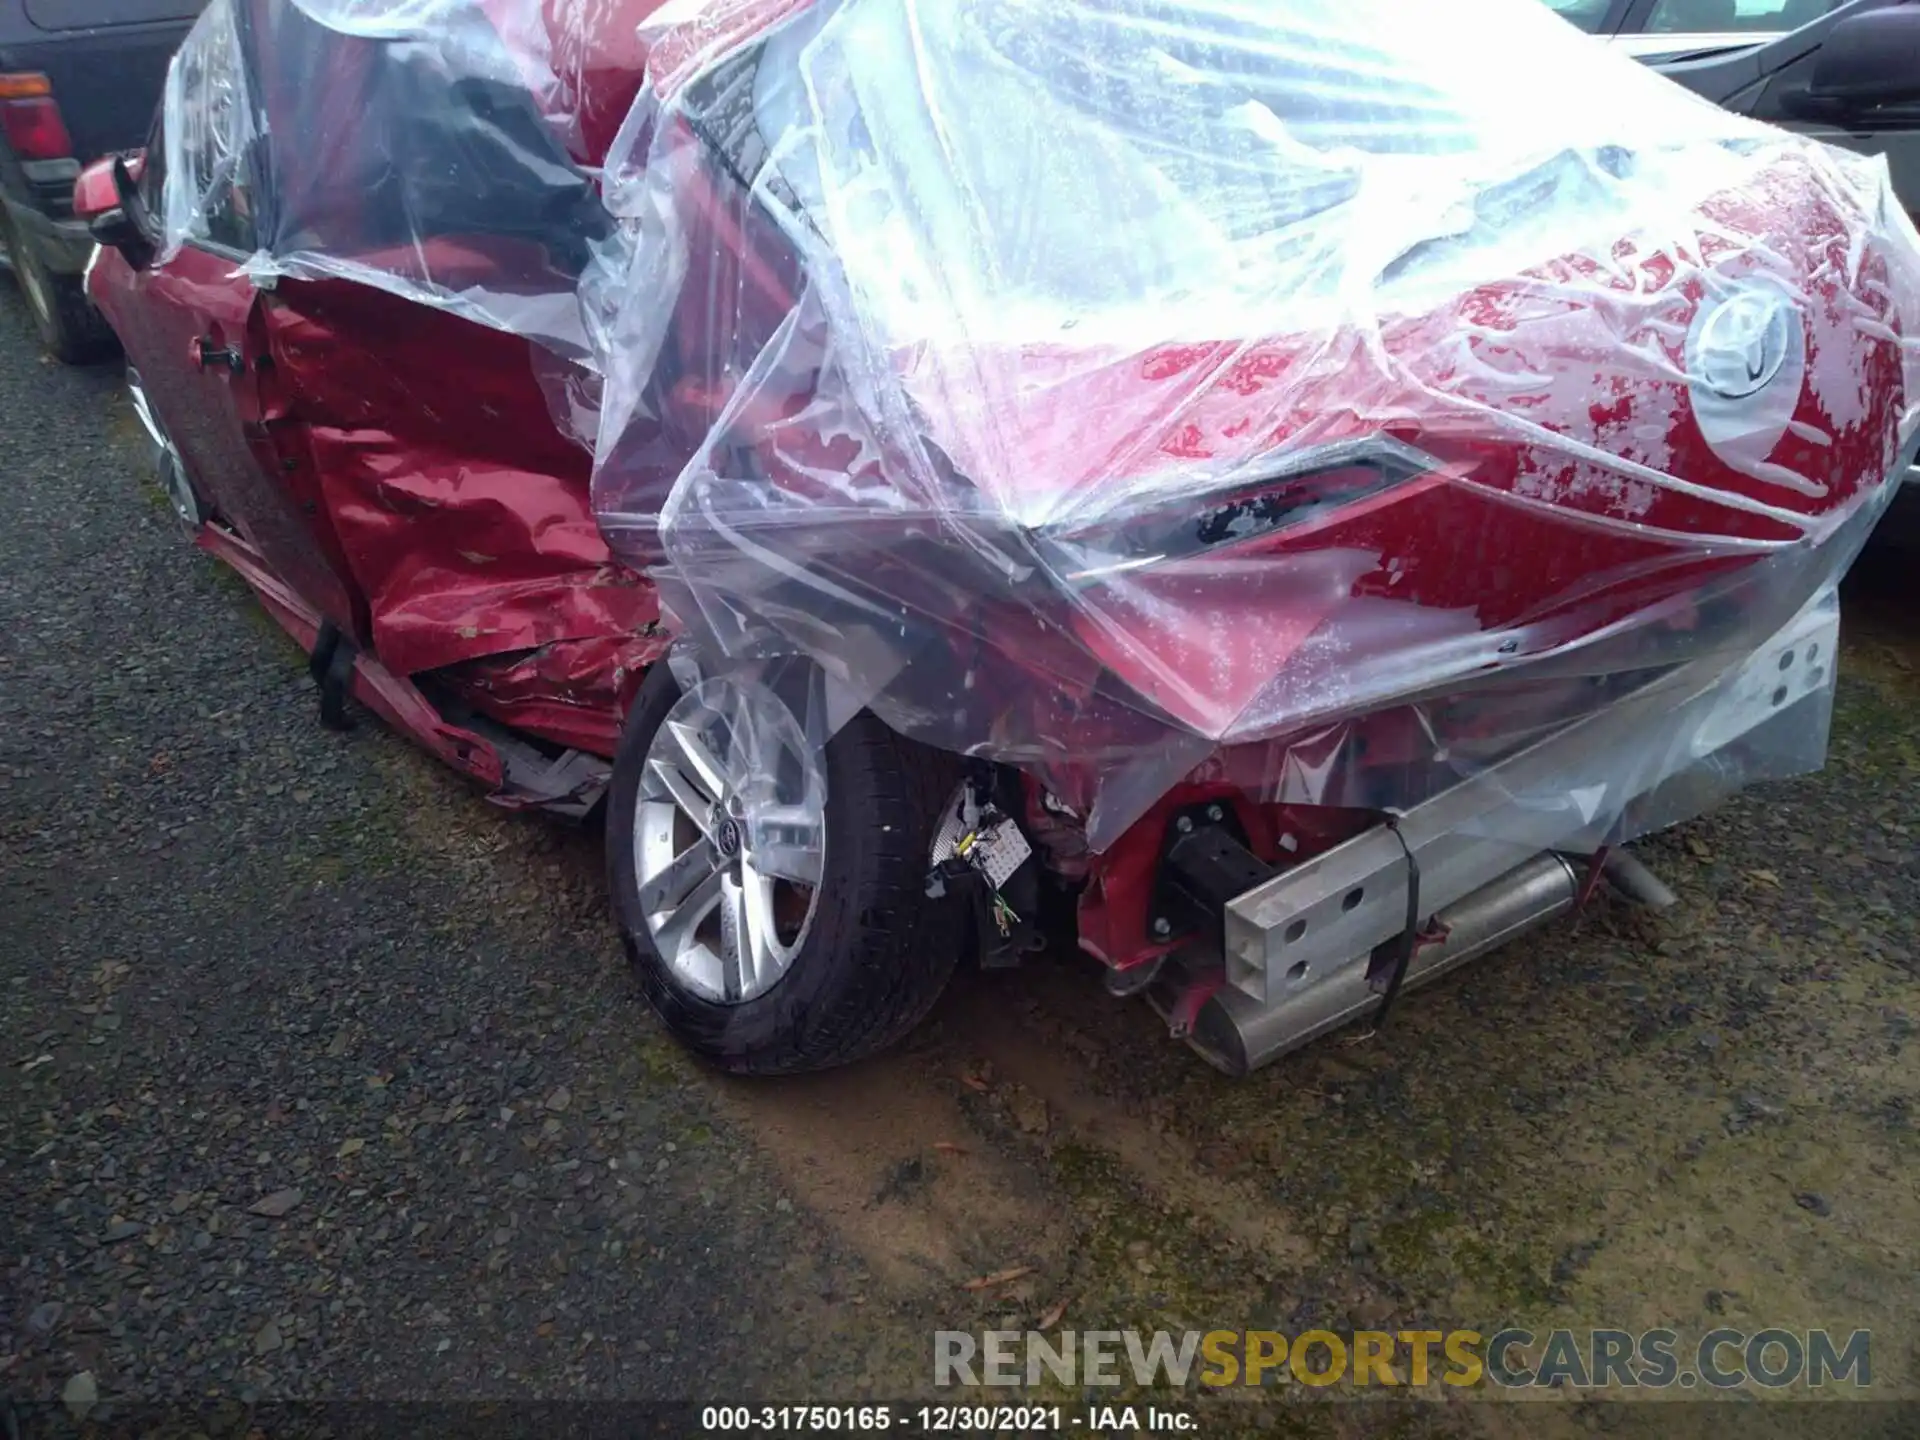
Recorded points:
879,952
70,328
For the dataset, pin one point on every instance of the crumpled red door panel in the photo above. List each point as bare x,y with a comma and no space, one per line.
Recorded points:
461,509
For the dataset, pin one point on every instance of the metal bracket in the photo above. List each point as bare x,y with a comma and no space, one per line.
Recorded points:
1204,863
1315,916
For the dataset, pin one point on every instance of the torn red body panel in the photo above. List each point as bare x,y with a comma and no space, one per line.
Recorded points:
394,472
389,696
573,692
396,434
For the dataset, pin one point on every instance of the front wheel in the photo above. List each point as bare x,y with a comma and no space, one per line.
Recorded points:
771,895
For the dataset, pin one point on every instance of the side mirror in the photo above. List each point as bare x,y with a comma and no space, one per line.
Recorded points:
93,192
1867,61
107,197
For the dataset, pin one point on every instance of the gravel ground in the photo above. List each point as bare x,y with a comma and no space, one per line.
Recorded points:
323,1078
326,1106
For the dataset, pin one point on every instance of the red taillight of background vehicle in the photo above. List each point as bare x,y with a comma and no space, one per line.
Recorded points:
30,119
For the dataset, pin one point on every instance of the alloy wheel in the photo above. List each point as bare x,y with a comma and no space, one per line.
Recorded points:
168,468
730,839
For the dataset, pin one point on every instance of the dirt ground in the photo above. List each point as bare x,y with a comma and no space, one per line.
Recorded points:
244,944
1697,1118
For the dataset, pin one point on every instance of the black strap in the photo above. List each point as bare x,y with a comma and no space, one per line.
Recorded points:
1409,937
331,666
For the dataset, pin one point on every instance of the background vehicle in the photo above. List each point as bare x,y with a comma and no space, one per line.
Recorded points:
1818,67
78,79
1290,567
1670,29
1841,77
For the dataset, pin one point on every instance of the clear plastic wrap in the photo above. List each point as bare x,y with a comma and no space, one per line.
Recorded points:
445,150
1328,397
1334,395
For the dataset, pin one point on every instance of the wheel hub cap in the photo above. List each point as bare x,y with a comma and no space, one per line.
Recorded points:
730,839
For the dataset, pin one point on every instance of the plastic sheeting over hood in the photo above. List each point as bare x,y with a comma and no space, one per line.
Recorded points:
1108,386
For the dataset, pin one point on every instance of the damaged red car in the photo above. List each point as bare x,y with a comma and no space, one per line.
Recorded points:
1286,490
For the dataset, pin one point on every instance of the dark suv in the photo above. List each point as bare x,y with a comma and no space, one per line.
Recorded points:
78,80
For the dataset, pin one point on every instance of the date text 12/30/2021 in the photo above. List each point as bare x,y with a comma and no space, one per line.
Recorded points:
947,1419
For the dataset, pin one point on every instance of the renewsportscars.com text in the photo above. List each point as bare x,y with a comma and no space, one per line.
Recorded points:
1513,1358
